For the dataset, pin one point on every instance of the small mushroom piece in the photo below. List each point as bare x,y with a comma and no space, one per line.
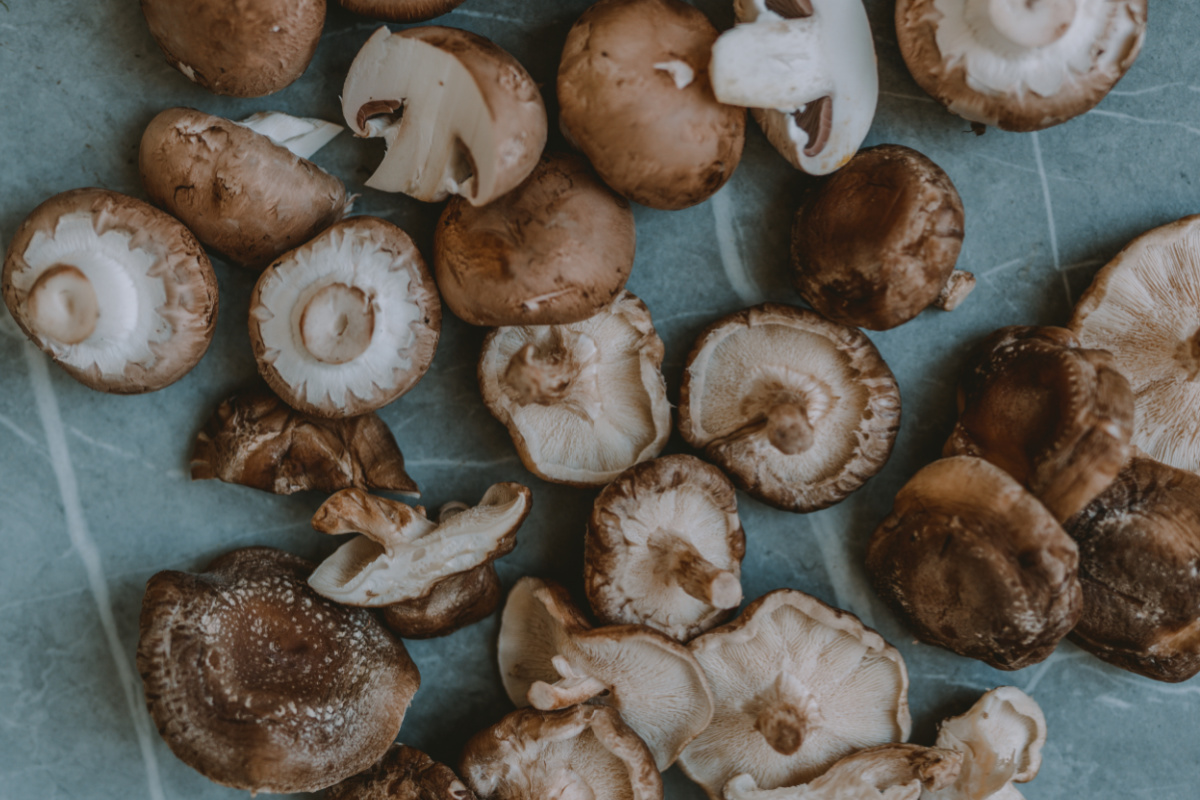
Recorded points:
116,292
664,548
1017,64
404,773
798,686
975,564
806,69
875,243
348,322
303,136
401,10
459,115
261,684
585,401
555,250
551,658
634,88
799,411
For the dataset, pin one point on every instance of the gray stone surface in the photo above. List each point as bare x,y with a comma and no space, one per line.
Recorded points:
96,498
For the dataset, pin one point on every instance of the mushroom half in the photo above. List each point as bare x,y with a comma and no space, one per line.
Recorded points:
404,773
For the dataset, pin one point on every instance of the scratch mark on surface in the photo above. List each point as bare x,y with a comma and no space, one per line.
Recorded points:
727,243
1130,118
687,315
1041,168
486,15
1000,267
1152,89
849,586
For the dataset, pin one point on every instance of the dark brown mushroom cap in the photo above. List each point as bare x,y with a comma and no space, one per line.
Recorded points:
401,10
1054,416
1139,563
554,250
974,563
259,683
404,773
454,603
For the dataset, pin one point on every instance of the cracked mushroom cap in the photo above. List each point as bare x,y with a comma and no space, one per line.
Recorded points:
799,411
1015,64
664,548
798,686
551,658
401,10
585,401
259,683
404,773
975,564
116,292
348,322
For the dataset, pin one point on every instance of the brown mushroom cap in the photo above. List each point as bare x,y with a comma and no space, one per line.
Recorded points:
404,773
975,564
656,142
401,10
118,293
555,250
259,683
799,411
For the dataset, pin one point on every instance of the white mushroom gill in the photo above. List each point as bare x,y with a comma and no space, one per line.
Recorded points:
304,136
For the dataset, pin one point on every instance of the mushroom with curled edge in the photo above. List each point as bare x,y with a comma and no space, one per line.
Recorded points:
401,10
404,773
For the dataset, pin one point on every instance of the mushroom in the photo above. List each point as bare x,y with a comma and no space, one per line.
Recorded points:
574,754
636,99
551,658
243,48
555,250
798,686
348,322
799,411
117,293
401,10
1017,64
583,401
806,69
664,548
246,196
1139,563
404,773
975,564
259,683
459,115
875,243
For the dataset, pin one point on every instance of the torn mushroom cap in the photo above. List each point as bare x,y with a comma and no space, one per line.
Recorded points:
975,564
551,658
348,322
798,410
401,10
807,69
1019,65
259,683
404,773
119,294
664,548
798,686
583,401
460,116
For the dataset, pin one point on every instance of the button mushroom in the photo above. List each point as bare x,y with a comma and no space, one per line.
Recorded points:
119,294
401,10
664,548
404,773
798,410
584,401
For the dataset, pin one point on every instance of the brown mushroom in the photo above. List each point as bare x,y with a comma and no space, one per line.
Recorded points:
259,683
401,10
404,773
119,294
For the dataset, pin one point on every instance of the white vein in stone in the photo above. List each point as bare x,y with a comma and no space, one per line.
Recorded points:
21,434
1000,267
1152,89
850,590
465,12
456,462
1130,118
1041,168
117,451
727,243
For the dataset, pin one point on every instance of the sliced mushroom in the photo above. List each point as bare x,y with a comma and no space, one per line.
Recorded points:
584,401
664,548
401,10
119,294
348,322
798,410
303,136
404,773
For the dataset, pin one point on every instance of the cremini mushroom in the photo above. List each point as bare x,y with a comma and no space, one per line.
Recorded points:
348,322
261,684
459,115
583,401
798,685
404,773
1016,64
555,250
634,88
401,10
974,563
798,410
551,658
119,294
664,548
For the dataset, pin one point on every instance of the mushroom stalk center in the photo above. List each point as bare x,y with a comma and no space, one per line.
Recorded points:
1028,24
571,689
788,712
555,372
788,428
62,305
682,563
337,324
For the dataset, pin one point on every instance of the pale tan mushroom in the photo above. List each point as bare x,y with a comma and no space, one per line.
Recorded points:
404,773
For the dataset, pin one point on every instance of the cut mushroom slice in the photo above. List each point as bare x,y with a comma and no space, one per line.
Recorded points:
119,294
303,136
348,322
798,410
401,10
798,686
664,548
404,773
551,658
585,401
459,115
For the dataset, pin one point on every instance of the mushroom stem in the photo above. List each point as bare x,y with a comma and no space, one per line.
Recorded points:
337,323
788,428
789,711
574,688
1026,23
955,291
62,305
681,562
